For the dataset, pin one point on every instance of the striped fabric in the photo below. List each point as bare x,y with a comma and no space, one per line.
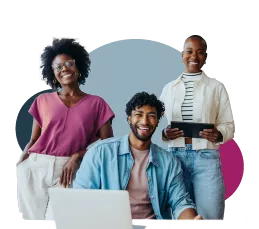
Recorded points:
187,106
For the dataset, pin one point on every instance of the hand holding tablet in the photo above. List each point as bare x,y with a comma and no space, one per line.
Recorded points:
173,133
193,130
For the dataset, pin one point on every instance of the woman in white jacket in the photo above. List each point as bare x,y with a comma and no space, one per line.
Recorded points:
194,97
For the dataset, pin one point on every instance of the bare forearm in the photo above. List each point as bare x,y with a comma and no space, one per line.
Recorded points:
104,132
188,213
25,154
79,155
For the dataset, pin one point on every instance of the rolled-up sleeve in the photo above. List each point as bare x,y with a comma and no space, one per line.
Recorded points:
178,198
88,175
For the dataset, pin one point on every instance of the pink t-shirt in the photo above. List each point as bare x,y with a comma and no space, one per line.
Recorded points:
140,204
64,131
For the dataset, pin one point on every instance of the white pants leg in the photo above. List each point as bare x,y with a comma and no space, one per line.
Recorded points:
35,175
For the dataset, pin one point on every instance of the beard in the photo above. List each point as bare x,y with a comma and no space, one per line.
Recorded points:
139,137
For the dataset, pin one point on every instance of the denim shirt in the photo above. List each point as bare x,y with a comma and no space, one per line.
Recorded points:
108,164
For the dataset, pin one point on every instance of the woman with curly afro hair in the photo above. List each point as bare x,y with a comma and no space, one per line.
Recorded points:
65,123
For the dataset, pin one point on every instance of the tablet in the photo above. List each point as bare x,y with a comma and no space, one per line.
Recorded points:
191,129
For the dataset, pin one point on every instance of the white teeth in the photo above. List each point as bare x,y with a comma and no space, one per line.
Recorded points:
66,76
193,63
142,128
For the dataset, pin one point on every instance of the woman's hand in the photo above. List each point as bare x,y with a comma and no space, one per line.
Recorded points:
212,135
172,133
68,170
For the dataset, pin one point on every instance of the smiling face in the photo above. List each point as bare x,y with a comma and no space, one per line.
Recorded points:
194,55
65,70
143,122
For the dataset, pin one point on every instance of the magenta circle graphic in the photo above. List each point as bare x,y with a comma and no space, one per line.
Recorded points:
232,166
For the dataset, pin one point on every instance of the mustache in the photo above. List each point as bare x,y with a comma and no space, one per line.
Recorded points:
137,126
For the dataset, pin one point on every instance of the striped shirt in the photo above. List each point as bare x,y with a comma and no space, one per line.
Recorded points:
187,106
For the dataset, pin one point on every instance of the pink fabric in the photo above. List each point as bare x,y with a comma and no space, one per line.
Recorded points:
141,207
64,131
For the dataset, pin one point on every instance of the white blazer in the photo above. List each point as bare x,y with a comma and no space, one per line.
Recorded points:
210,105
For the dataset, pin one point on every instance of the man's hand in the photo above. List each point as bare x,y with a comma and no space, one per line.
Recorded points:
68,170
198,217
190,213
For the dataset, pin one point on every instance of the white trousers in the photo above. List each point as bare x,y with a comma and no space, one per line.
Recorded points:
35,175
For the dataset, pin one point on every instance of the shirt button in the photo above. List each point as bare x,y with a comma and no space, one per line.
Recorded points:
152,197
149,179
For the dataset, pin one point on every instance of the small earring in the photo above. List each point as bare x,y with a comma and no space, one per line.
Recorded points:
79,75
54,81
205,62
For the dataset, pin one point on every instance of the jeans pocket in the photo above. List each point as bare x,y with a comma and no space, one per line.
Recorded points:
209,154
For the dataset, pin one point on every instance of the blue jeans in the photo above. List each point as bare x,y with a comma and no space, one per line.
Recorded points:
203,179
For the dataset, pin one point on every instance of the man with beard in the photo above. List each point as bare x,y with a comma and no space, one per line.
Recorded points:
151,175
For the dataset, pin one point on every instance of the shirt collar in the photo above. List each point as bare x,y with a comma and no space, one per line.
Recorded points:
125,149
203,79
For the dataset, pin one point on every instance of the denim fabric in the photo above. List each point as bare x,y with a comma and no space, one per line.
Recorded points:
108,165
203,179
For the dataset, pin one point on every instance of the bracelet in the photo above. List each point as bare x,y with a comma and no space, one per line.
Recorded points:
164,134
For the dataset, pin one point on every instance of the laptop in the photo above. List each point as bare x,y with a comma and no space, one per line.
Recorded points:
90,208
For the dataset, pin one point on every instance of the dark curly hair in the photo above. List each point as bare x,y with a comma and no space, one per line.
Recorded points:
70,48
143,98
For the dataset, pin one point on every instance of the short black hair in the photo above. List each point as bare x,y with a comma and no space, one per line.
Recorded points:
71,48
143,98
198,37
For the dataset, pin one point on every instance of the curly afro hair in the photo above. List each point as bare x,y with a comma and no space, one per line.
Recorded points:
70,48
143,98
